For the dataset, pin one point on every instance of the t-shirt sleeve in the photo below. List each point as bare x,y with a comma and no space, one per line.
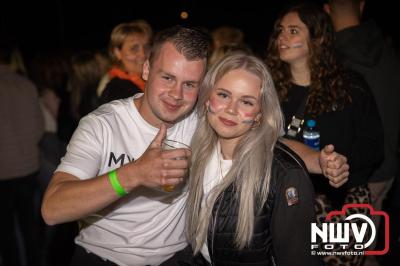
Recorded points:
293,213
83,155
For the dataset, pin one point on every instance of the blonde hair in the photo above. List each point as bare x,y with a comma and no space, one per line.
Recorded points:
252,159
226,35
124,30
221,51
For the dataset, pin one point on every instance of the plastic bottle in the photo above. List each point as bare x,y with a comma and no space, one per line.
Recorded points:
311,135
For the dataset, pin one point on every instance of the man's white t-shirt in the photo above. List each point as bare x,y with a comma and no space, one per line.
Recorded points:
145,227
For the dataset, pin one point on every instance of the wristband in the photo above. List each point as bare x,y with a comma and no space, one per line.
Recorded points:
116,185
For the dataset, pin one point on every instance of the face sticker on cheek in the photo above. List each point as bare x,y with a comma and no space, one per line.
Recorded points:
249,118
250,121
297,45
250,114
214,106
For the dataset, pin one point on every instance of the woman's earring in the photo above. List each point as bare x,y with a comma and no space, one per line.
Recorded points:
256,124
257,121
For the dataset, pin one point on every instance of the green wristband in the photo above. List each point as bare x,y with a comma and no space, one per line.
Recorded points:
116,185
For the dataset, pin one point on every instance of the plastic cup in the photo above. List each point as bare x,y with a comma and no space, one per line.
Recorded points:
169,144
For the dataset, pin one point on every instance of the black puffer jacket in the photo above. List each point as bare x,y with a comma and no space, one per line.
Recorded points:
281,232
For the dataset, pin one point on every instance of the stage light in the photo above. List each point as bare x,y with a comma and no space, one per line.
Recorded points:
184,15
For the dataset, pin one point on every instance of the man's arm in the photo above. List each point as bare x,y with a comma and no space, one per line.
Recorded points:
331,164
69,198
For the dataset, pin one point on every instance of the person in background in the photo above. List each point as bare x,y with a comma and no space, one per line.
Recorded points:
51,147
50,72
361,46
82,84
312,85
221,51
225,35
222,38
103,60
250,201
129,47
57,240
17,63
20,132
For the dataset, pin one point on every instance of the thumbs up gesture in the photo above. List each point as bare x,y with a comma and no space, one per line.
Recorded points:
157,167
157,141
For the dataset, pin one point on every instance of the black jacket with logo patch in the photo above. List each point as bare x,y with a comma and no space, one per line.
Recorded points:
281,232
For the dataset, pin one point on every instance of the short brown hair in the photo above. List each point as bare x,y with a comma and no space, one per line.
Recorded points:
190,42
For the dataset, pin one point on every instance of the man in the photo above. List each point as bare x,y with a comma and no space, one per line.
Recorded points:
362,47
21,130
145,227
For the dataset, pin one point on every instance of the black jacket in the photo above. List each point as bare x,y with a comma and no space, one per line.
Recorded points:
281,232
363,49
118,88
356,132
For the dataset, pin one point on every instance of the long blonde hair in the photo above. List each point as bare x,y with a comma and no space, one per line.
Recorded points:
252,160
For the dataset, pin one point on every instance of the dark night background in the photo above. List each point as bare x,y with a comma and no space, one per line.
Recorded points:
61,24
70,25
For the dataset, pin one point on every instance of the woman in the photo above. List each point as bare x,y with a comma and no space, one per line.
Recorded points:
250,199
82,84
129,45
312,85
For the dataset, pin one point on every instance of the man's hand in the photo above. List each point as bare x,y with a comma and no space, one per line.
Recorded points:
157,167
334,166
